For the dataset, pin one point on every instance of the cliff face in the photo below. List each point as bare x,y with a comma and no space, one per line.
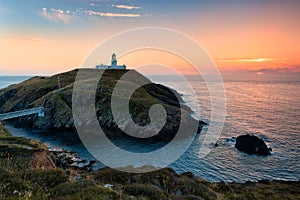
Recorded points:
39,91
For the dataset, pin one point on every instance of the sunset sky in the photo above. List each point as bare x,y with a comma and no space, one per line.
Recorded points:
45,37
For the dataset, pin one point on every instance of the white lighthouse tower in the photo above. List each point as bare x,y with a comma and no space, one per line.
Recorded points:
114,64
114,61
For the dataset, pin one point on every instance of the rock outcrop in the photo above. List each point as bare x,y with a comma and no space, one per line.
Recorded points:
42,160
252,145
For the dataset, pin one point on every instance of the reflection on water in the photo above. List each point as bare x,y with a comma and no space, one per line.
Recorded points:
267,109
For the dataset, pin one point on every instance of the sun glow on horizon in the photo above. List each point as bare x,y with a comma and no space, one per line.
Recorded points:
46,39
255,59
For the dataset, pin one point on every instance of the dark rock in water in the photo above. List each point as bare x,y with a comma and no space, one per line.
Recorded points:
202,123
200,126
252,145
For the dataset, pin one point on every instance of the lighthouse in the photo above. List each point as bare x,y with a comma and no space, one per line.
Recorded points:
114,61
114,64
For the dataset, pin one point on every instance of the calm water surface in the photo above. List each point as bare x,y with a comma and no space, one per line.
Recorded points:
268,109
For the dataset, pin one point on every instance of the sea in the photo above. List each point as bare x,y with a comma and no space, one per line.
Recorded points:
269,109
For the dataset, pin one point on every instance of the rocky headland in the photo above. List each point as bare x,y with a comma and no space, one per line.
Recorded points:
55,95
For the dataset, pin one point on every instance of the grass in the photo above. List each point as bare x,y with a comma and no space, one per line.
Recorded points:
19,146
33,92
145,191
82,190
20,180
3,131
23,95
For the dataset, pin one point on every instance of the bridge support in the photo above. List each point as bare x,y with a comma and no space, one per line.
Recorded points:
41,114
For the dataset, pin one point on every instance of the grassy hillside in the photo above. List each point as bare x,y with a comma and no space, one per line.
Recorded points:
3,131
45,91
27,172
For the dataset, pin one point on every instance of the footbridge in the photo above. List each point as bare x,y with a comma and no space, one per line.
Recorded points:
20,113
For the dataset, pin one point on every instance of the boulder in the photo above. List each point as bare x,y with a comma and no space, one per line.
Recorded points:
252,145
201,124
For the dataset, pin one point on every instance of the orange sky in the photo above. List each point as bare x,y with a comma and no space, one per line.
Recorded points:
238,37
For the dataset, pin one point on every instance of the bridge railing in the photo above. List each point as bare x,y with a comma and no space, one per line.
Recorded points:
21,113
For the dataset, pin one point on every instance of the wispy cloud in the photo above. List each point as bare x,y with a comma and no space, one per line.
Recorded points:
283,70
288,70
94,4
127,7
110,14
59,11
56,15
244,59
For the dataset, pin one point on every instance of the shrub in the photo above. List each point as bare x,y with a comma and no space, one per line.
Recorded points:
65,189
46,178
91,193
143,190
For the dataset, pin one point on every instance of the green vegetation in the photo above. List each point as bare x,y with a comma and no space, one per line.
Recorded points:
57,101
3,131
27,171
21,180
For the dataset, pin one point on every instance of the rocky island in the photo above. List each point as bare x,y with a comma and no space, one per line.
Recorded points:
252,145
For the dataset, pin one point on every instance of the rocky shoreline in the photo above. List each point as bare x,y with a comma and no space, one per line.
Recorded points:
65,159
29,170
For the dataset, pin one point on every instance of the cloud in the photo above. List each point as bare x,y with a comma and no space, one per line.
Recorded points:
110,14
94,4
289,70
56,15
127,7
44,10
244,59
59,15
283,70
59,11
